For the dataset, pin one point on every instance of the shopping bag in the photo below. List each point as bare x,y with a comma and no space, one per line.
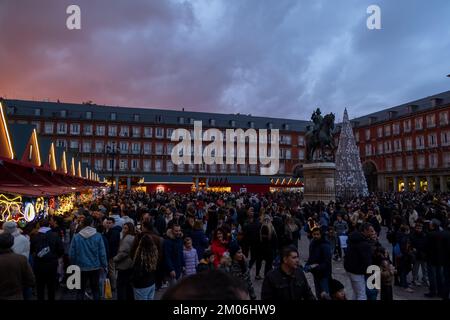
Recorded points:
107,290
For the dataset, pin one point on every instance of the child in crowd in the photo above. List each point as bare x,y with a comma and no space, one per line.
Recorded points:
190,257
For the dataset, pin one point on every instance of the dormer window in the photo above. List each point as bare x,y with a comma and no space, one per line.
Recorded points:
251,124
180,120
372,120
89,115
113,116
436,102
269,125
212,122
191,120
232,123
63,113
37,112
412,108
158,119
286,126
136,118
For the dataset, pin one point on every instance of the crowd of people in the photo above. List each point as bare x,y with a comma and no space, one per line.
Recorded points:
137,243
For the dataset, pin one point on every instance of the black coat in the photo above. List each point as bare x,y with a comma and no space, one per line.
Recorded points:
113,237
359,254
418,242
320,253
50,260
280,286
436,248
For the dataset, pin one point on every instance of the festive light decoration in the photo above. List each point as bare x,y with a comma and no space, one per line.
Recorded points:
64,204
29,212
10,208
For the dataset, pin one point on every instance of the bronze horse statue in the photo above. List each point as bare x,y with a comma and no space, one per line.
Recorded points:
322,138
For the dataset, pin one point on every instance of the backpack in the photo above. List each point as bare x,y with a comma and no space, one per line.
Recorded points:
43,249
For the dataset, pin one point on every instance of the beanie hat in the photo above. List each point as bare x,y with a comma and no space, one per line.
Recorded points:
10,226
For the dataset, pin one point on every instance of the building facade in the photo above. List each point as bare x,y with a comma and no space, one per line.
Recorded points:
406,147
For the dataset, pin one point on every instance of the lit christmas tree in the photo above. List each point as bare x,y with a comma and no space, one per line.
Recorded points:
350,179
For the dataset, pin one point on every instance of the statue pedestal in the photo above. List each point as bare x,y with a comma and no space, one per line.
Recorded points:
319,181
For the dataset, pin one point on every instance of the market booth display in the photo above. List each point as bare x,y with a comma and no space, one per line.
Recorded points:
37,178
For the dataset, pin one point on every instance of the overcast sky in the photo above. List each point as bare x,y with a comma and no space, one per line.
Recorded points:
278,58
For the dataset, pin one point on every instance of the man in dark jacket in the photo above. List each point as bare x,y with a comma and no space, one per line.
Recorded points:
173,253
287,282
358,258
46,248
435,250
319,262
112,234
418,243
15,271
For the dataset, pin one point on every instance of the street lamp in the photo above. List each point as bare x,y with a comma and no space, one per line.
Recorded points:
112,152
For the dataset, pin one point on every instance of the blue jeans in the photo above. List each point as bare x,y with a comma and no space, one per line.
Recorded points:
144,293
321,285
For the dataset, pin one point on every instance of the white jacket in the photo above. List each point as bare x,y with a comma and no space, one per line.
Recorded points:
21,244
413,218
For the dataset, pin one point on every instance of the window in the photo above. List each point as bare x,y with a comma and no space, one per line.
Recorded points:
286,126
123,147
191,120
431,121
99,146
396,128
433,160
89,115
212,122
158,165
253,168
282,168
387,147
419,123
123,164
408,142
398,163
113,116
61,143
75,128
368,150
388,164
407,125
98,164
387,130
111,164
421,161
288,153
169,132
180,168
74,144
443,118
446,160
134,164
270,125
380,148
62,128
159,119
86,146
233,168
419,142
357,136
159,148
180,120
367,134
192,167
301,154
159,132
380,132
169,166
63,113
37,112
136,132
136,147
147,148
251,124
37,124
232,123
169,148
301,140
112,131
398,145
87,129
148,132
410,163
223,168
124,131
136,118
147,165
213,168
48,128
100,130
432,141
445,138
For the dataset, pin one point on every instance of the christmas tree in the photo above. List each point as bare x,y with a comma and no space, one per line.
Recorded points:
350,180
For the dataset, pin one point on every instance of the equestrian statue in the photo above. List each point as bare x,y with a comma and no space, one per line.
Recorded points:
320,137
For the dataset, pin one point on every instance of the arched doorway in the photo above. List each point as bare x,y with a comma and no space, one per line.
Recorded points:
371,174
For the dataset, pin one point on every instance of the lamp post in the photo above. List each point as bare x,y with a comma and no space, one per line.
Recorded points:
112,151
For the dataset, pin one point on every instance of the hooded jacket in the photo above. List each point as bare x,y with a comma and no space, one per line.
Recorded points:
88,250
359,254
21,244
45,238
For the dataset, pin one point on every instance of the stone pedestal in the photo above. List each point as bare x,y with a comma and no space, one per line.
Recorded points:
319,180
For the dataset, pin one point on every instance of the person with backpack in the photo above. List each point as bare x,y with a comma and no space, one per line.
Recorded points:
46,248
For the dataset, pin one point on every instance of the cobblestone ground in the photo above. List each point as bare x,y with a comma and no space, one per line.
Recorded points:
338,273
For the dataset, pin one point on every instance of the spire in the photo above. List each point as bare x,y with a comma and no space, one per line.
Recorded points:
345,115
